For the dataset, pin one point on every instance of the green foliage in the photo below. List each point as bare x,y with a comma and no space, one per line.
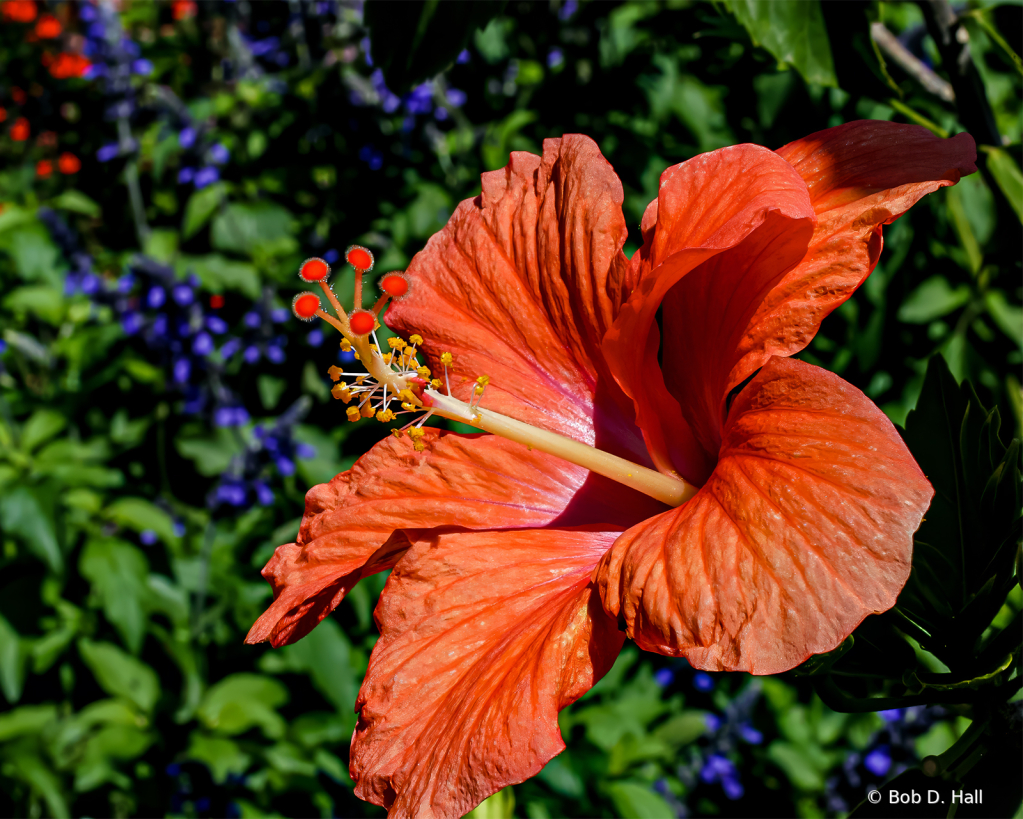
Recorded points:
126,595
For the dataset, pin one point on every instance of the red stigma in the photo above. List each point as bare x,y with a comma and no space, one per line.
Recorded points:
305,306
359,258
418,385
395,285
314,270
216,301
362,322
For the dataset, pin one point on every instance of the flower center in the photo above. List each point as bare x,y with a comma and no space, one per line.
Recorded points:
396,383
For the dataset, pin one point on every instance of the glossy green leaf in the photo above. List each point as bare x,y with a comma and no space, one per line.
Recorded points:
1004,167
28,719
243,701
40,428
141,515
201,206
241,228
117,571
793,32
28,513
635,800
933,299
12,662
120,674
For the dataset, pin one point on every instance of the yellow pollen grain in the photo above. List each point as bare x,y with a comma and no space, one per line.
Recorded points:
335,373
446,359
415,338
346,345
341,391
395,343
396,432
423,372
352,413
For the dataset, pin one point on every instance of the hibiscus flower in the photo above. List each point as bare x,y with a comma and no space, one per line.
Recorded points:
709,497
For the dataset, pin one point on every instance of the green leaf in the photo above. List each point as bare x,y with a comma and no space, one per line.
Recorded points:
41,300
162,245
957,209
798,763
562,778
40,427
1008,317
424,39
118,572
931,300
243,701
29,719
634,800
794,33
28,512
77,202
33,252
500,805
682,729
219,273
120,674
200,208
211,452
270,390
221,755
325,655
241,228
12,662
1005,169
31,770
141,515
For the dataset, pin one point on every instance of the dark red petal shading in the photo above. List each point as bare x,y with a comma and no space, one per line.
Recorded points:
484,637
359,523
804,528
860,175
742,200
521,284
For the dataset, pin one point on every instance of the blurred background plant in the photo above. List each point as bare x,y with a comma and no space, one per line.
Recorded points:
165,168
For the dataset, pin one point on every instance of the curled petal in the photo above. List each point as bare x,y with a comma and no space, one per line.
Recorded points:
522,283
732,221
484,637
804,528
860,176
360,522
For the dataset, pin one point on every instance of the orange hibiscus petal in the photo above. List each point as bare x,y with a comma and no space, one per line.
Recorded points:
724,229
860,175
804,528
521,284
484,637
358,524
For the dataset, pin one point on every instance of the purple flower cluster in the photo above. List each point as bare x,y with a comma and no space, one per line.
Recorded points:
891,751
259,337
116,58
202,157
272,452
166,313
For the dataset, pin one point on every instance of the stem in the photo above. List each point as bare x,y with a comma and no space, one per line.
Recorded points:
671,491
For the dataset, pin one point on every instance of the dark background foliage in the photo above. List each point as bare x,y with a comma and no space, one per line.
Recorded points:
166,167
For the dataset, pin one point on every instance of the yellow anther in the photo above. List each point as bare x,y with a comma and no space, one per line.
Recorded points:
346,345
396,432
423,372
385,415
396,343
415,433
374,347
341,391
352,413
478,390
359,379
415,338
408,395
476,418
335,373
419,446
408,407
367,411
483,380
389,358
357,356
446,359
436,383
